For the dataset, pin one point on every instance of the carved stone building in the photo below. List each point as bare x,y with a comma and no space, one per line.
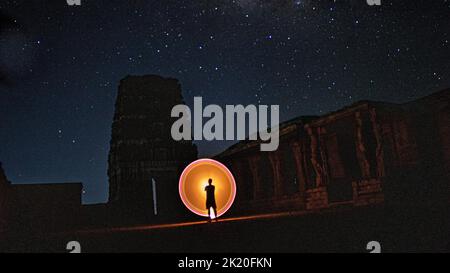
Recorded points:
143,151
368,153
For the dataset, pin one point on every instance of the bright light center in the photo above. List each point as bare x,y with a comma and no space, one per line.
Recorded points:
194,180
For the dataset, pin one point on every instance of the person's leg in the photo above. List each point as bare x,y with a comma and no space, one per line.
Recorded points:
215,214
209,214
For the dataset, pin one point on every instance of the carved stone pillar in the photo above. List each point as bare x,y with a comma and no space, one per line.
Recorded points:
298,157
379,154
323,154
275,162
253,163
361,148
314,157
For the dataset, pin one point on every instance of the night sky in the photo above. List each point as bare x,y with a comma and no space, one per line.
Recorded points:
60,67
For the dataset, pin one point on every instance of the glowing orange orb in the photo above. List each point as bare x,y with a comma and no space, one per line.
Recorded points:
195,178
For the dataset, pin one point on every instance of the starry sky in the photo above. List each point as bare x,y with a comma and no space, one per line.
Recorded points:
60,67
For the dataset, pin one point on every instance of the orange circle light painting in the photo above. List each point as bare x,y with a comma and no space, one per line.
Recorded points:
195,178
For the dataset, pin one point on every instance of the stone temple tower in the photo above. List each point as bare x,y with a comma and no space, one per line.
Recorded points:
142,149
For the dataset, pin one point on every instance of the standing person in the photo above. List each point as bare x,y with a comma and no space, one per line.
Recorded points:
211,200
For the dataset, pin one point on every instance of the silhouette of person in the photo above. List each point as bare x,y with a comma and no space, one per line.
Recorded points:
211,199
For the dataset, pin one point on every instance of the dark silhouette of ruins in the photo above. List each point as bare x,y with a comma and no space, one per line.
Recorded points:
370,154
142,149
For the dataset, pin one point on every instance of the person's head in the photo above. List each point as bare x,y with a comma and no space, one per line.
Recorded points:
210,181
